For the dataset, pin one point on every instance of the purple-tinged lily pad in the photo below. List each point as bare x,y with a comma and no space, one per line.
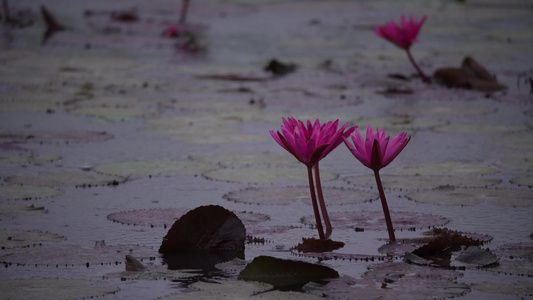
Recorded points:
54,288
520,141
397,124
396,280
297,194
29,159
426,182
245,159
153,168
10,239
448,168
469,197
518,288
50,179
257,175
523,181
73,255
10,211
57,137
26,192
516,251
165,217
375,221
424,110
481,128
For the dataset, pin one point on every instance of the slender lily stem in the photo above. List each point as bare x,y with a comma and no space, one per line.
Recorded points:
315,205
183,12
388,220
420,72
325,215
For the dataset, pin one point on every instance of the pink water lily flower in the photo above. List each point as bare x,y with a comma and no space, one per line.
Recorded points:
375,152
404,37
310,143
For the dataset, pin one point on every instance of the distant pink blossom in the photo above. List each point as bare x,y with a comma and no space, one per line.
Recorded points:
403,36
376,151
310,142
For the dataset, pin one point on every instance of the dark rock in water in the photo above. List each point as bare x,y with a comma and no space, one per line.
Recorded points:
278,68
206,228
285,274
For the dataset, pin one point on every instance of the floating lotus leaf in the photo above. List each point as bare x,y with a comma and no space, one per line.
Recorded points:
397,124
153,168
257,175
54,288
515,259
521,141
246,159
394,281
27,192
22,239
481,128
413,182
165,217
29,159
460,196
448,168
237,289
516,251
523,267
57,137
66,179
516,163
424,110
9,211
375,220
288,195
154,273
523,181
476,256
73,255
114,111
517,288
218,103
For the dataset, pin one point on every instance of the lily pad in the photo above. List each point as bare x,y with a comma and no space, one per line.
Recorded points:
164,217
9,211
481,128
523,181
27,192
476,256
153,168
66,179
518,288
448,168
288,195
460,196
10,239
375,220
30,159
516,251
246,159
57,137
424,110
521,141
414,182
54,288
257,175
285,274
397,124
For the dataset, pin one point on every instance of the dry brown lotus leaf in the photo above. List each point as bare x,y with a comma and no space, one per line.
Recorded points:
26,192
298,194
236,159
9,211
21,239
469,197
257,175
424,110
523,181
66,179
518,288
448,168
153,168
413,183
481,128
54,288
30,159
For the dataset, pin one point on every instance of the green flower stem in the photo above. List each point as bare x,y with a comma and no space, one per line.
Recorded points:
325,215
315,205
425,78
388,220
